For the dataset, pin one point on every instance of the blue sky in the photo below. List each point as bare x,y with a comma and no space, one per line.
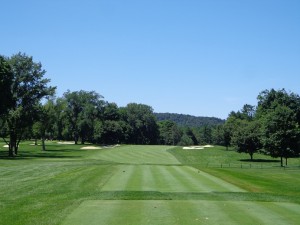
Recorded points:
198,57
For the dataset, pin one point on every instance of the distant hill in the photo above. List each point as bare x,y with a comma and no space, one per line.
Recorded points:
188,120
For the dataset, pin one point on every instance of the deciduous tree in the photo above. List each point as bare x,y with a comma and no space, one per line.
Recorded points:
28,88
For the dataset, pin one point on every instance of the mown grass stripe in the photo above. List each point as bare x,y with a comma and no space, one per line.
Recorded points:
160,212
120,178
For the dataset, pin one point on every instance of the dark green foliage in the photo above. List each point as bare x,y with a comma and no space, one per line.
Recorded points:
188,120
279,113
186,140
28,89
6,80
144,128
246,138
82,108
169,133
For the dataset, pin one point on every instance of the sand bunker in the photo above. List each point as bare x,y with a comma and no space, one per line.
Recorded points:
5,146
197,147
208,146
90,147
193,147
66,142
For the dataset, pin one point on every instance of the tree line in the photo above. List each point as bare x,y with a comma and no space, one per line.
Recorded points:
189,120
29,109
271,127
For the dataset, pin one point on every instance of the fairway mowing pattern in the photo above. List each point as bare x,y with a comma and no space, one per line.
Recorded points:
152,176
138,154
155,212
165,179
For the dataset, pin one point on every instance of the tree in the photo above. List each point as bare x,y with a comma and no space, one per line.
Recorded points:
230,125
246,138
110,129
6,80
144,129
82,108
218,134
186,140
28,88
45,121
281,133
169,133
279,112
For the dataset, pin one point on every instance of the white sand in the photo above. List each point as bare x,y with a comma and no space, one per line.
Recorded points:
208,146
197,147
66,142
90,147
5,146
193,148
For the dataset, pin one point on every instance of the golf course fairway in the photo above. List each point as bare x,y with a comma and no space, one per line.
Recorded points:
149,169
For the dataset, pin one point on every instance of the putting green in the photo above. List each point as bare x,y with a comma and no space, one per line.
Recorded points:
155,212
137,154
165,179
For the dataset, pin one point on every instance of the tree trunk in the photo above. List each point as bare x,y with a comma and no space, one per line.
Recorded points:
286,160
43,144
10,151
251,156
13,150
35,141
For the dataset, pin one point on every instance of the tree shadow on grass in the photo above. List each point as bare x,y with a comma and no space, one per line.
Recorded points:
261,160
48,154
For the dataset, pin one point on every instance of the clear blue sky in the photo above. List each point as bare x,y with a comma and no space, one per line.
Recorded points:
198,57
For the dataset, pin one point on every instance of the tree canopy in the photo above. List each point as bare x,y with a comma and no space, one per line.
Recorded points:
28,88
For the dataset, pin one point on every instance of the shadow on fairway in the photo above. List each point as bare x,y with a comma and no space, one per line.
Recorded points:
50,154
216,196
261,160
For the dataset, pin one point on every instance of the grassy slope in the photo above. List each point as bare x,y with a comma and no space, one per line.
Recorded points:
265,179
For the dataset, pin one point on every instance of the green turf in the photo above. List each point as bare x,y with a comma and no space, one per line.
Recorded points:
138,154
165,179
191,212
62,183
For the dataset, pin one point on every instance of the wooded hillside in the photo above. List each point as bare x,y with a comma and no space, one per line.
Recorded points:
188,120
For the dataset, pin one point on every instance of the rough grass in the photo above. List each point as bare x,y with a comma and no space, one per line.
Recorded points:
264,176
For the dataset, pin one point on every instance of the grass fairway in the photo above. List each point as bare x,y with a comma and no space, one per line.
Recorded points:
165,179
138,154
190,212
143,185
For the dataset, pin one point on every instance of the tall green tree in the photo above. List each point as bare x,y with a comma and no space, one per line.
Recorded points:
44,126
82,109
279,112
28,88
169,133
246,137
110,129
281,133
144,128
6,80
